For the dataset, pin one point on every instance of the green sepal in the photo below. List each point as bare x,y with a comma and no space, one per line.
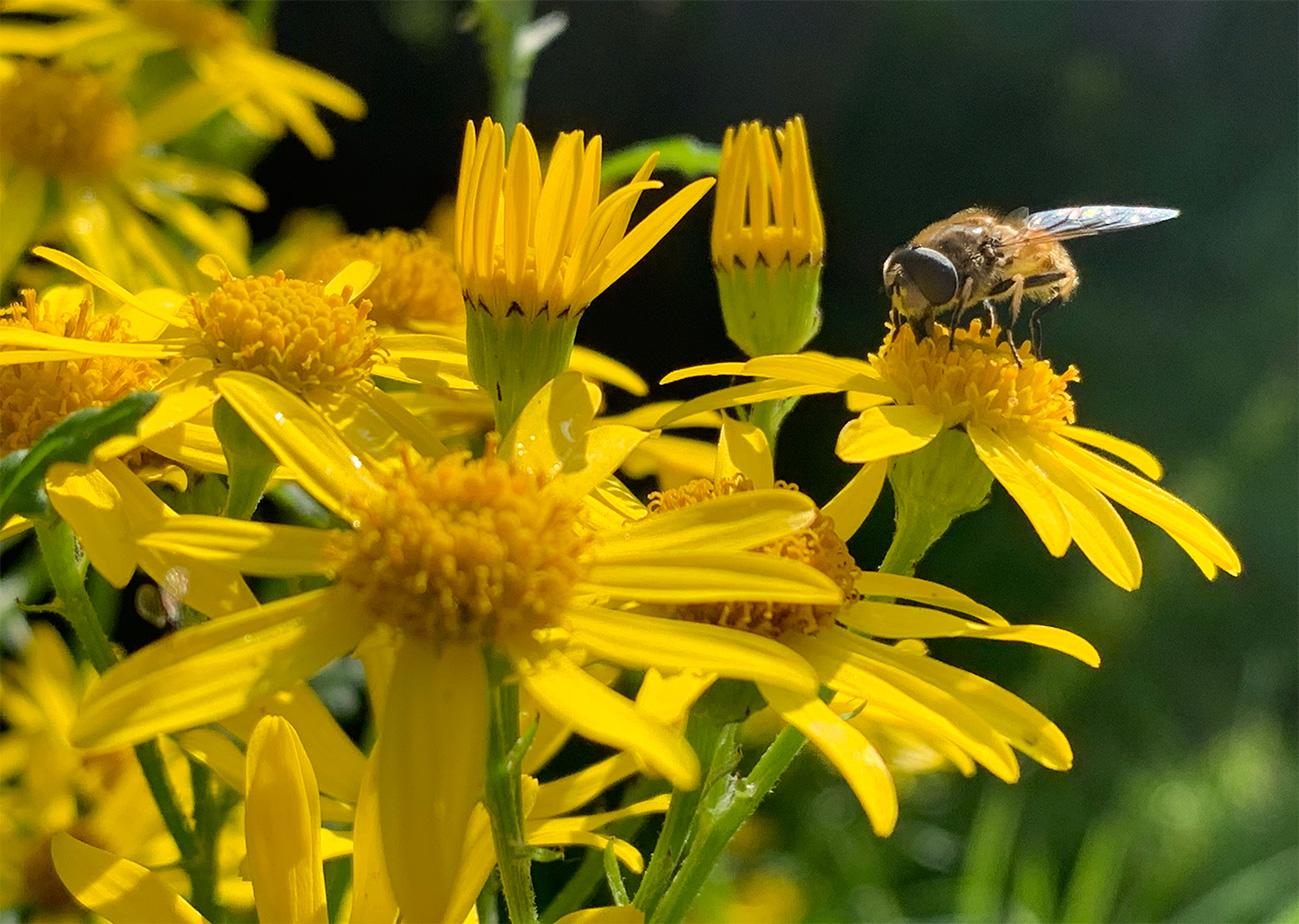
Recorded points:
73,439
249,462
931,488
512,357
770,309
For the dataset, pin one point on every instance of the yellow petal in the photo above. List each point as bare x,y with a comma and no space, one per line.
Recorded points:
1021,724
563,832
742,450
675,645
357,276
731,522
892,620
882,432
268,549
211,671
1094,524
669,698
687,576
604,369
282,826
735,395
1027,485
577,789
879,584
595,711
1143,460
117,889
550,434
23,195
321,462
430,773
849,667
92,506
854,502
372,898
1174,516
847,748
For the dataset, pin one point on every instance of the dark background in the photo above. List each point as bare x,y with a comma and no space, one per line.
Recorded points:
1182,804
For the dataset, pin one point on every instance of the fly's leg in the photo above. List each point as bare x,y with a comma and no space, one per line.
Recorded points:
1063,291
958,310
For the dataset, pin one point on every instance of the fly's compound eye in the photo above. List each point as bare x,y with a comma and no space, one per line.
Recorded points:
922,270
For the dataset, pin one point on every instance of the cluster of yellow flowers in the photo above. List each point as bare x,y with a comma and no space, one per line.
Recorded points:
443,502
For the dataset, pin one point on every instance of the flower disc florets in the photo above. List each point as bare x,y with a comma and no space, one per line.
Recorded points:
35,396
462,550
976,380
817,545
65,122
286,329
417,278
193,24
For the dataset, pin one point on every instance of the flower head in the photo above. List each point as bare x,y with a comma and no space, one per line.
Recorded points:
417,278
1019,419
768,238
533,252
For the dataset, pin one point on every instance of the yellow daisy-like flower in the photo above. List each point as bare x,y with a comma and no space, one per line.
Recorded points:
441,559
77,165
48,786
1020,421
866,649
768,239
108,503
534,252
417,278
266,91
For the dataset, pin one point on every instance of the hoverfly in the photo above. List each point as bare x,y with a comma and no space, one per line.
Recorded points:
978,256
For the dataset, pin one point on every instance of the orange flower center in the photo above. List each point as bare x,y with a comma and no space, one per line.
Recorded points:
34,396
464,550
65,122
817,545
289,330
976,380
417,278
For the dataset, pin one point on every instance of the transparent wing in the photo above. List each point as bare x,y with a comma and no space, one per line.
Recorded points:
1086,220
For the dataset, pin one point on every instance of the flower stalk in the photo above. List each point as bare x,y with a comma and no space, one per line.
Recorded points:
503,793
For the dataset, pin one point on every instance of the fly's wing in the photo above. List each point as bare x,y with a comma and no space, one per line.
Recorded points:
1086,220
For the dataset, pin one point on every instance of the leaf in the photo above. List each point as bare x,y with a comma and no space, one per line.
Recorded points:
72,439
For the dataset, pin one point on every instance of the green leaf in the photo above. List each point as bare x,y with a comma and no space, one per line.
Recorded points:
684,154
248,460
73,439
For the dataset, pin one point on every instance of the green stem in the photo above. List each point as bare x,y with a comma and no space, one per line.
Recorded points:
59,551
511,40
503,794
713,730
767,416
207,825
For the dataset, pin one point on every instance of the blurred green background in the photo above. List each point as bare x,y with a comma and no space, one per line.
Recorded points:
1183,804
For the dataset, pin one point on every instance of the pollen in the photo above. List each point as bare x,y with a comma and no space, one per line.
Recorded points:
816,545
977,380
462,550
35,396
193,24
417,278
65,122
288,330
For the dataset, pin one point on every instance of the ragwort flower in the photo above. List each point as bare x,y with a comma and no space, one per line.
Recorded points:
1020,420
78,166
442,558
534,252
866,647
266,91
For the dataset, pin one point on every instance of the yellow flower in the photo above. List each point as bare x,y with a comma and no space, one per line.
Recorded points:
768,239
417,278
108,504
441,559
47,785
1020,422
534,252
865,649
266,91
80,167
